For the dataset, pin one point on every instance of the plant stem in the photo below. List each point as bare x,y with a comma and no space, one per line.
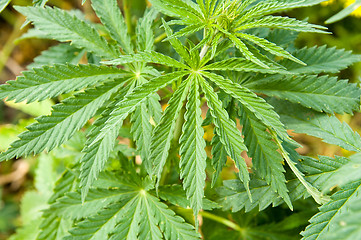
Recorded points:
203,51
160,38
314,192
128,16
221,220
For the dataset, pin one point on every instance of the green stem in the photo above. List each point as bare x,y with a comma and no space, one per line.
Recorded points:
314,192
128,16
160,38
222,220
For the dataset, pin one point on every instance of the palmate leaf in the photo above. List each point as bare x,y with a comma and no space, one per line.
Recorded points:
233,195
65,119
102,138
192,151
147,57
60,54
321,60
3,4
57,80
328,128
164,131
112,19
133,99
258,106
321,93
339,218
267,161
60,25
133,214
227,131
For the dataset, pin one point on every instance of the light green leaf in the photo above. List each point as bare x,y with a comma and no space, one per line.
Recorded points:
321,60
144,30
60,54
66,118
227,131
192,150
112,19
60,25
269,47
328,128
258,106
321,93
233,195
57,80
282,23
241,65
164,131
266,160
339,218
142,129
186,9
148,57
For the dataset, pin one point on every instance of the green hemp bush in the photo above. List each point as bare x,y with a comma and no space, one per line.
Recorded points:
231,58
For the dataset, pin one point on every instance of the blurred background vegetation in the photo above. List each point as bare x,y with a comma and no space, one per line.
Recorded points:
16,53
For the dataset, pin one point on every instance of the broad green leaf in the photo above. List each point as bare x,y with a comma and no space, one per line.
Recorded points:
321,60
192,150
266,160
233,195
147,57
339,218
60,54
112,19
258,106
57,80
164,131
328,128
227,131
35,109
66,118
60,25
321,93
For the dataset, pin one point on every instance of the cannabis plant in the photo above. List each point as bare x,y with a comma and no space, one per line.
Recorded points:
232,83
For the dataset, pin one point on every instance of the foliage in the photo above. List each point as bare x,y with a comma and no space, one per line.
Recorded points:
230,55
